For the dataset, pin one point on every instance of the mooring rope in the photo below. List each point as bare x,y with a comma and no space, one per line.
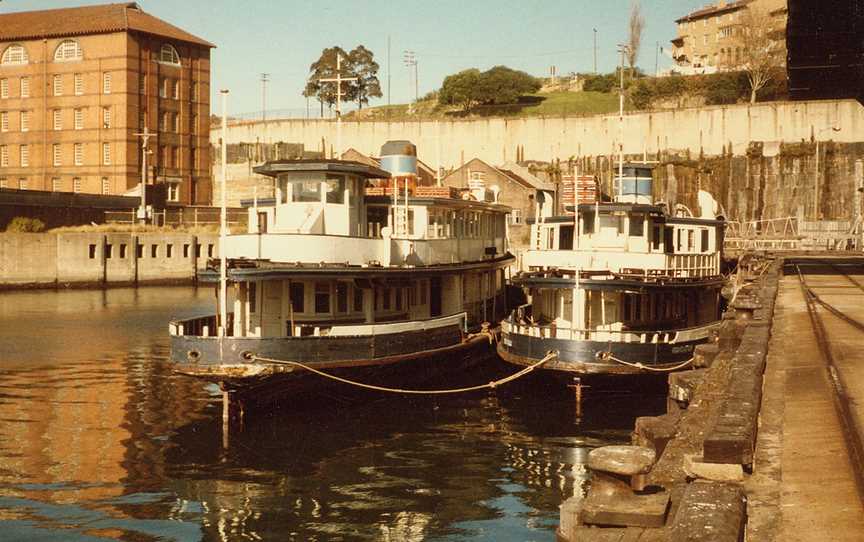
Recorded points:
642,366
491,385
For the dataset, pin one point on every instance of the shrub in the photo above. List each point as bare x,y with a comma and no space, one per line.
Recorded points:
23,224
642,94
601,83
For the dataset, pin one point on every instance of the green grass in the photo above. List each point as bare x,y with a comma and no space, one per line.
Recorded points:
550,104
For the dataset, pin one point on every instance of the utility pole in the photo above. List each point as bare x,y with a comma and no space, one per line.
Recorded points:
595,51
410,59
338,80
622,48
817,176
657,60
265,77
145,138
388,74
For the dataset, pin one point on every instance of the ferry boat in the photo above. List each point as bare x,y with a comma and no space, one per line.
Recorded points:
625,286
355,271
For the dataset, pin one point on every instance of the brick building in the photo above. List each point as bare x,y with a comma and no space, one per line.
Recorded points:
710,38
77,84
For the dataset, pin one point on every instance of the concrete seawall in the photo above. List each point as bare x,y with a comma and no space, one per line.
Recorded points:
100,259
712,130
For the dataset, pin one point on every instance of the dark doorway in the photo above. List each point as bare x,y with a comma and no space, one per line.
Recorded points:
262,222
435,296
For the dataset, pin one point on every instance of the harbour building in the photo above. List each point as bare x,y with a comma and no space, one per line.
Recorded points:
77,85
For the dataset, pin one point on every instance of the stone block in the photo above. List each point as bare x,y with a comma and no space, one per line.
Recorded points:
694,467
710,512
625,460
626,511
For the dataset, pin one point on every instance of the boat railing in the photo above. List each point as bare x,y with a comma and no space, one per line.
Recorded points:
460,319
671,336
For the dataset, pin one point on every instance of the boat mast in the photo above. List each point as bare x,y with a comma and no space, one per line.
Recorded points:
223,227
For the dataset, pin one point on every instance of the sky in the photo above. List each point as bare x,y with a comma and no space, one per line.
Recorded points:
282,38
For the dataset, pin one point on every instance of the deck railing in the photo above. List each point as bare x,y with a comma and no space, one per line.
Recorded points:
617,336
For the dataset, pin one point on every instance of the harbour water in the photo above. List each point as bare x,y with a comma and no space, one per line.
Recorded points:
98,440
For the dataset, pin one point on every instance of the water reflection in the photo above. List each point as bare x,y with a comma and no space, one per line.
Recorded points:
99,441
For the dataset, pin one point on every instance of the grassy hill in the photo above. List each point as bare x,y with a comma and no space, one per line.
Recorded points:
547,104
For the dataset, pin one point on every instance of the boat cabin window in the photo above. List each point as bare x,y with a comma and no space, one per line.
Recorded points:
656,237
705,241
252,296
669,239
637,225
297,291
322,297
612,222
385,299
565,238
334,188
588,221
358,299
341,297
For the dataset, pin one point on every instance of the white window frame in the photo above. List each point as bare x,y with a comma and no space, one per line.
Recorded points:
24,87
4,88
177,123
76,185
176,89
57,84
57,119
106,83
55,184
68,51
4,155
24,155
78,84
78,154
56,154
14,55
4,121
4,183
24,118
173,192
168,55
22,183
78,120
515,217
106,154
106,117
106,186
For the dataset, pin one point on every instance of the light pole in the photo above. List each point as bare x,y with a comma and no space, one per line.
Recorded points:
595,51
816,180
622,48
265,77
145,138
410,59
223,219
338,80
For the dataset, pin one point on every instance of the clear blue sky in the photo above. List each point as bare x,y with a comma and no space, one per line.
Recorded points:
283,37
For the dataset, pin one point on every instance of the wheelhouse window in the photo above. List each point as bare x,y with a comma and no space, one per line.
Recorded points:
14,54
306,191
358,299
637,225
168,55
705,240
67,51
341,297
334,188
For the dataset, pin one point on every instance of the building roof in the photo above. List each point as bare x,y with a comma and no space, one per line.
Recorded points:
524,176
97,19
714,9
275,167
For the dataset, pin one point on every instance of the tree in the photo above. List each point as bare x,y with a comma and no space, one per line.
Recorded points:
325,68
758,48
634,41
362,65
461,89
502,85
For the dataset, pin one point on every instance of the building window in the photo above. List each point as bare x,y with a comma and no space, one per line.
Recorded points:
176,90
106,186
78,84
106,154
515,217
163,156
76,184
4,183
14,54
25,121
163,88
4,88
4,156
4,121
168,55
322,297
106,83
193,90
55,184
177,123
78,115
22,183
67,50
142,83
25,87
24,155
142,115
106,117
175,157
194,155
57,154
57,115
78,152
193,123
173,192
163,122
58,85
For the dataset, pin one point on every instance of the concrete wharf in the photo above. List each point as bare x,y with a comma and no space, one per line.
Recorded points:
764,440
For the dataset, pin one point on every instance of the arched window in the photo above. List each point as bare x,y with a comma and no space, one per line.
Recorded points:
168,55
67,50
14,54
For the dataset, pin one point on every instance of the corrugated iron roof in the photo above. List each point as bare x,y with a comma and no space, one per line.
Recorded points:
97,19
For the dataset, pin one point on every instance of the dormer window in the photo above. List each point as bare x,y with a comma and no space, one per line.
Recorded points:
67,51
15,54
168,55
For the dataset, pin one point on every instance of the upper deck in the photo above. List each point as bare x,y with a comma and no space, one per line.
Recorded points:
321,214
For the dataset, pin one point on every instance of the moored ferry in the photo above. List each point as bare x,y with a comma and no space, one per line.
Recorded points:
356,271
618,287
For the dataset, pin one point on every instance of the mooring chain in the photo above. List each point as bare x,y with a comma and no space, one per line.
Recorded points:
491,385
